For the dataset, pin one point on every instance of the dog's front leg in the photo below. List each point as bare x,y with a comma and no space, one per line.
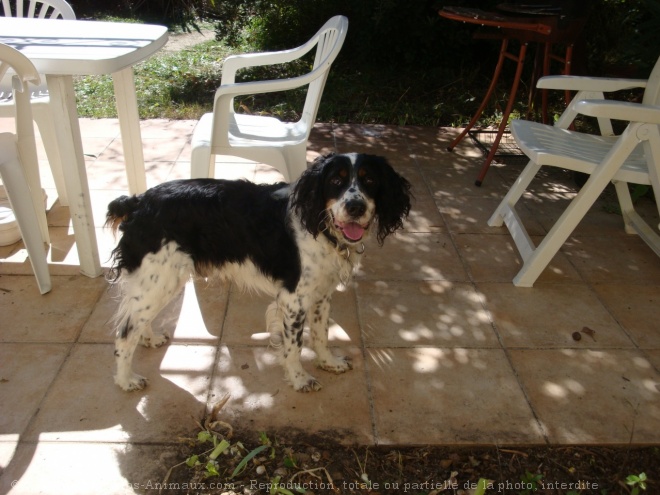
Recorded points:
286,324
325,359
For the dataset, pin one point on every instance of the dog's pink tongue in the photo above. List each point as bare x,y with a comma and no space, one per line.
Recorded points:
353,231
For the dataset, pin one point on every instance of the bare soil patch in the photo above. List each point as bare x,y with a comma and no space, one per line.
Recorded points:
319,464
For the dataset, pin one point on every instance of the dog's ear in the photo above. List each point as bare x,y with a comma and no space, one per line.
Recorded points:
392,200
308,197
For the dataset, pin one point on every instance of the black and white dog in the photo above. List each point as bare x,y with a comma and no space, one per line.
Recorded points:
296,242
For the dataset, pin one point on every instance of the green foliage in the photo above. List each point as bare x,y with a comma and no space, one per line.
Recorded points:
184,13
531,483
401,63
637,482
622,37
400,34
241,466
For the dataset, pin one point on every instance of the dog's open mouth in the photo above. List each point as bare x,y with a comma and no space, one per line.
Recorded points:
352,231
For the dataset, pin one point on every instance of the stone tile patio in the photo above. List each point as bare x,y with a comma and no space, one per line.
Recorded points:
445,349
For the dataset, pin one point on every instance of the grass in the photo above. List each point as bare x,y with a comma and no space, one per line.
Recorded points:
171,85
181,86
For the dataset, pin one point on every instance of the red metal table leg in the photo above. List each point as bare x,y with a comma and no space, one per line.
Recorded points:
505,116
489,93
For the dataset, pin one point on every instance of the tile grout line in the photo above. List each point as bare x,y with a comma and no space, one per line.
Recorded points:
453,236
71,346
472,281
507,355
46,394
367,374
216,358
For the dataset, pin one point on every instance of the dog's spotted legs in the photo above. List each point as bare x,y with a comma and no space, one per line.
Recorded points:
287,335
150,339
319,339
160,277
125,344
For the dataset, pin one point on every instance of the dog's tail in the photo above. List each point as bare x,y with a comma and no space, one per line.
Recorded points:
119,210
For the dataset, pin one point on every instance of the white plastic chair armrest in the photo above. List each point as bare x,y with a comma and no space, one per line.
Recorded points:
21,65
225,94
620,110
255,87
581,83
233,63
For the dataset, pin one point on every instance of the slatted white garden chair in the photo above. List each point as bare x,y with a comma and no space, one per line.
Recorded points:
632,157
265,139
18,160
42,9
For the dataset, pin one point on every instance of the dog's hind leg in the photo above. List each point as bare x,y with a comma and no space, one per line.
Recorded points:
125,343
144,293
318,325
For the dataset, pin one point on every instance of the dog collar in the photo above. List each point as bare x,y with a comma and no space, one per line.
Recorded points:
342,247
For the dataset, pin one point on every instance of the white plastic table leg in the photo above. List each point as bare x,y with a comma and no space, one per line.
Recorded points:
129,125
63,106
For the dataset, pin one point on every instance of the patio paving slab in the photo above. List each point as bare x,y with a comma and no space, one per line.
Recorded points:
262,401
54,317
437,396
84,405
549,315
423,313
445,350
592,396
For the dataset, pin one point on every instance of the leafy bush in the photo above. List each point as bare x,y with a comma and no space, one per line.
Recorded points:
401,63
399,34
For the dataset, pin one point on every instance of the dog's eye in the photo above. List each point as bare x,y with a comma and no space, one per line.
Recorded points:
365,178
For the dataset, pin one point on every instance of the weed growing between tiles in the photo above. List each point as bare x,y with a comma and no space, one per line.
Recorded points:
220,460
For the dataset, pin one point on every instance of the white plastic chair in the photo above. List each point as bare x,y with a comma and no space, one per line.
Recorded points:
42,9
264,139
632,157
18,164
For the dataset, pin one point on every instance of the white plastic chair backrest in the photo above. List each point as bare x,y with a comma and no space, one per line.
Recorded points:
42,9
328,42
24,72
652,91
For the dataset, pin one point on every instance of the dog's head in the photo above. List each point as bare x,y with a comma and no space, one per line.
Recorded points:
345,195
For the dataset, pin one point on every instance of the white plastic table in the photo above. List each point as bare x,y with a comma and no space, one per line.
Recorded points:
62,49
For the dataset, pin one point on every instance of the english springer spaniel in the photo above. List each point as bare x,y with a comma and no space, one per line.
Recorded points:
296,242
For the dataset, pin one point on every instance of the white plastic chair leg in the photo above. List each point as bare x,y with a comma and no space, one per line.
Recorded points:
28,156
514,194
27,217
200,163
200,157
540,257
296,160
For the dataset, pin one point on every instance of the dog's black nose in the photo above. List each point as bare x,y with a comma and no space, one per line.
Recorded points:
356,208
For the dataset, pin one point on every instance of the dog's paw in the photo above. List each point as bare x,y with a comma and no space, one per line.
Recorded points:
304,382
154,340
335,364
133,382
